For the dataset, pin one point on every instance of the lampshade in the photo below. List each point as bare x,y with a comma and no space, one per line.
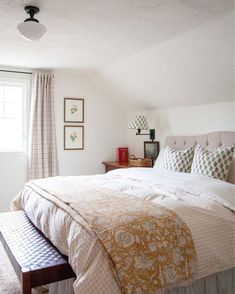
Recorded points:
31,30
139,122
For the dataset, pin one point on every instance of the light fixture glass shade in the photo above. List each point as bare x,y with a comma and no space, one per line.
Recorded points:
139,122
31,30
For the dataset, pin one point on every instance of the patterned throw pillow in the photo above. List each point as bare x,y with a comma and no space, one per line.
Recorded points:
215,164
176,160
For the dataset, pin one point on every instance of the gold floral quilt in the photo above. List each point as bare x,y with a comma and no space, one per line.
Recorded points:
149,247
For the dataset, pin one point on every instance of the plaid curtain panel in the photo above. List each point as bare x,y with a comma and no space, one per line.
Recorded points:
42,142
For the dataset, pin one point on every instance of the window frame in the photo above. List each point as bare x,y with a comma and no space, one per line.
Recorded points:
25,80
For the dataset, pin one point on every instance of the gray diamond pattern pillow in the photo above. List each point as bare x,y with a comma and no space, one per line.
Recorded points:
177,160
215,164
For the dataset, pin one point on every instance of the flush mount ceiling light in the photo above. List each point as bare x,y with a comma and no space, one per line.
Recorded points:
31,29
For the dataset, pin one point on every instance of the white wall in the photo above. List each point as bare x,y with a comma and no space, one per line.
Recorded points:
191,120
104,125
105,129
13,175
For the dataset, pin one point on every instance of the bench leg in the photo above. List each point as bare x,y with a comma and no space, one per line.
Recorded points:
26,283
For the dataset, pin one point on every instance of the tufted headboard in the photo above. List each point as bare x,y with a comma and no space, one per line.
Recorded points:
211,141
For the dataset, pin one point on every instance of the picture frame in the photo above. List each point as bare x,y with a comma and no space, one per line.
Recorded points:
73,110
151,150
73,137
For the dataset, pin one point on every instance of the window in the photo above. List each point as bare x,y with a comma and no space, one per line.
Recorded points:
13,114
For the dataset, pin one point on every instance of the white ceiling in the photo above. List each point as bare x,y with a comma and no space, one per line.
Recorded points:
146,54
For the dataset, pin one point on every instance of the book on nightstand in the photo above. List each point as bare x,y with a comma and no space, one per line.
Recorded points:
122,154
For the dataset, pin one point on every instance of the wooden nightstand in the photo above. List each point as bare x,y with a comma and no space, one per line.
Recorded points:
110,165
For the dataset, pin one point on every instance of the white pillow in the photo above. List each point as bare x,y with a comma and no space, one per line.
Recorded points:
215,164
175,160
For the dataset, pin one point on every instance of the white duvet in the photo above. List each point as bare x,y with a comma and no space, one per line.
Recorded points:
184,186
206,205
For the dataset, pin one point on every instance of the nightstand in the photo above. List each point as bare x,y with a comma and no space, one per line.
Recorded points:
110,165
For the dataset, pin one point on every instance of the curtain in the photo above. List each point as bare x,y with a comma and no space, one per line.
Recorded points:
42,137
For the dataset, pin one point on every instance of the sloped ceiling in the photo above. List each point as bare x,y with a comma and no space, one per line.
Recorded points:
145,54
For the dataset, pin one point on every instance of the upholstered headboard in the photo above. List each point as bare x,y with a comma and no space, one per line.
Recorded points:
211,141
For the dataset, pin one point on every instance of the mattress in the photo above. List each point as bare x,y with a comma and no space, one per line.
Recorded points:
206,205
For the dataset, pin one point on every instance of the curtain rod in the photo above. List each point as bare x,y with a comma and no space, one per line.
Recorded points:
15,71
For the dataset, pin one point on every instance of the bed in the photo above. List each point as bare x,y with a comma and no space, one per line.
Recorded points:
202,206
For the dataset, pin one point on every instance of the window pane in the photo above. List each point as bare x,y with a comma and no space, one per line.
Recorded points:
12,110
1,93
12,107
1,109
12,93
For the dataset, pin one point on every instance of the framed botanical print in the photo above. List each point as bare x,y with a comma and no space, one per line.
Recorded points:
73,110
73,137
151,150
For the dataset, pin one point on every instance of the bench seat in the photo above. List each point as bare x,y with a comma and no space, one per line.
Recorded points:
35,259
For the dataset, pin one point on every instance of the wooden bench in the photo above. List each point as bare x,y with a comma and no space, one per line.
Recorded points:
35,260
